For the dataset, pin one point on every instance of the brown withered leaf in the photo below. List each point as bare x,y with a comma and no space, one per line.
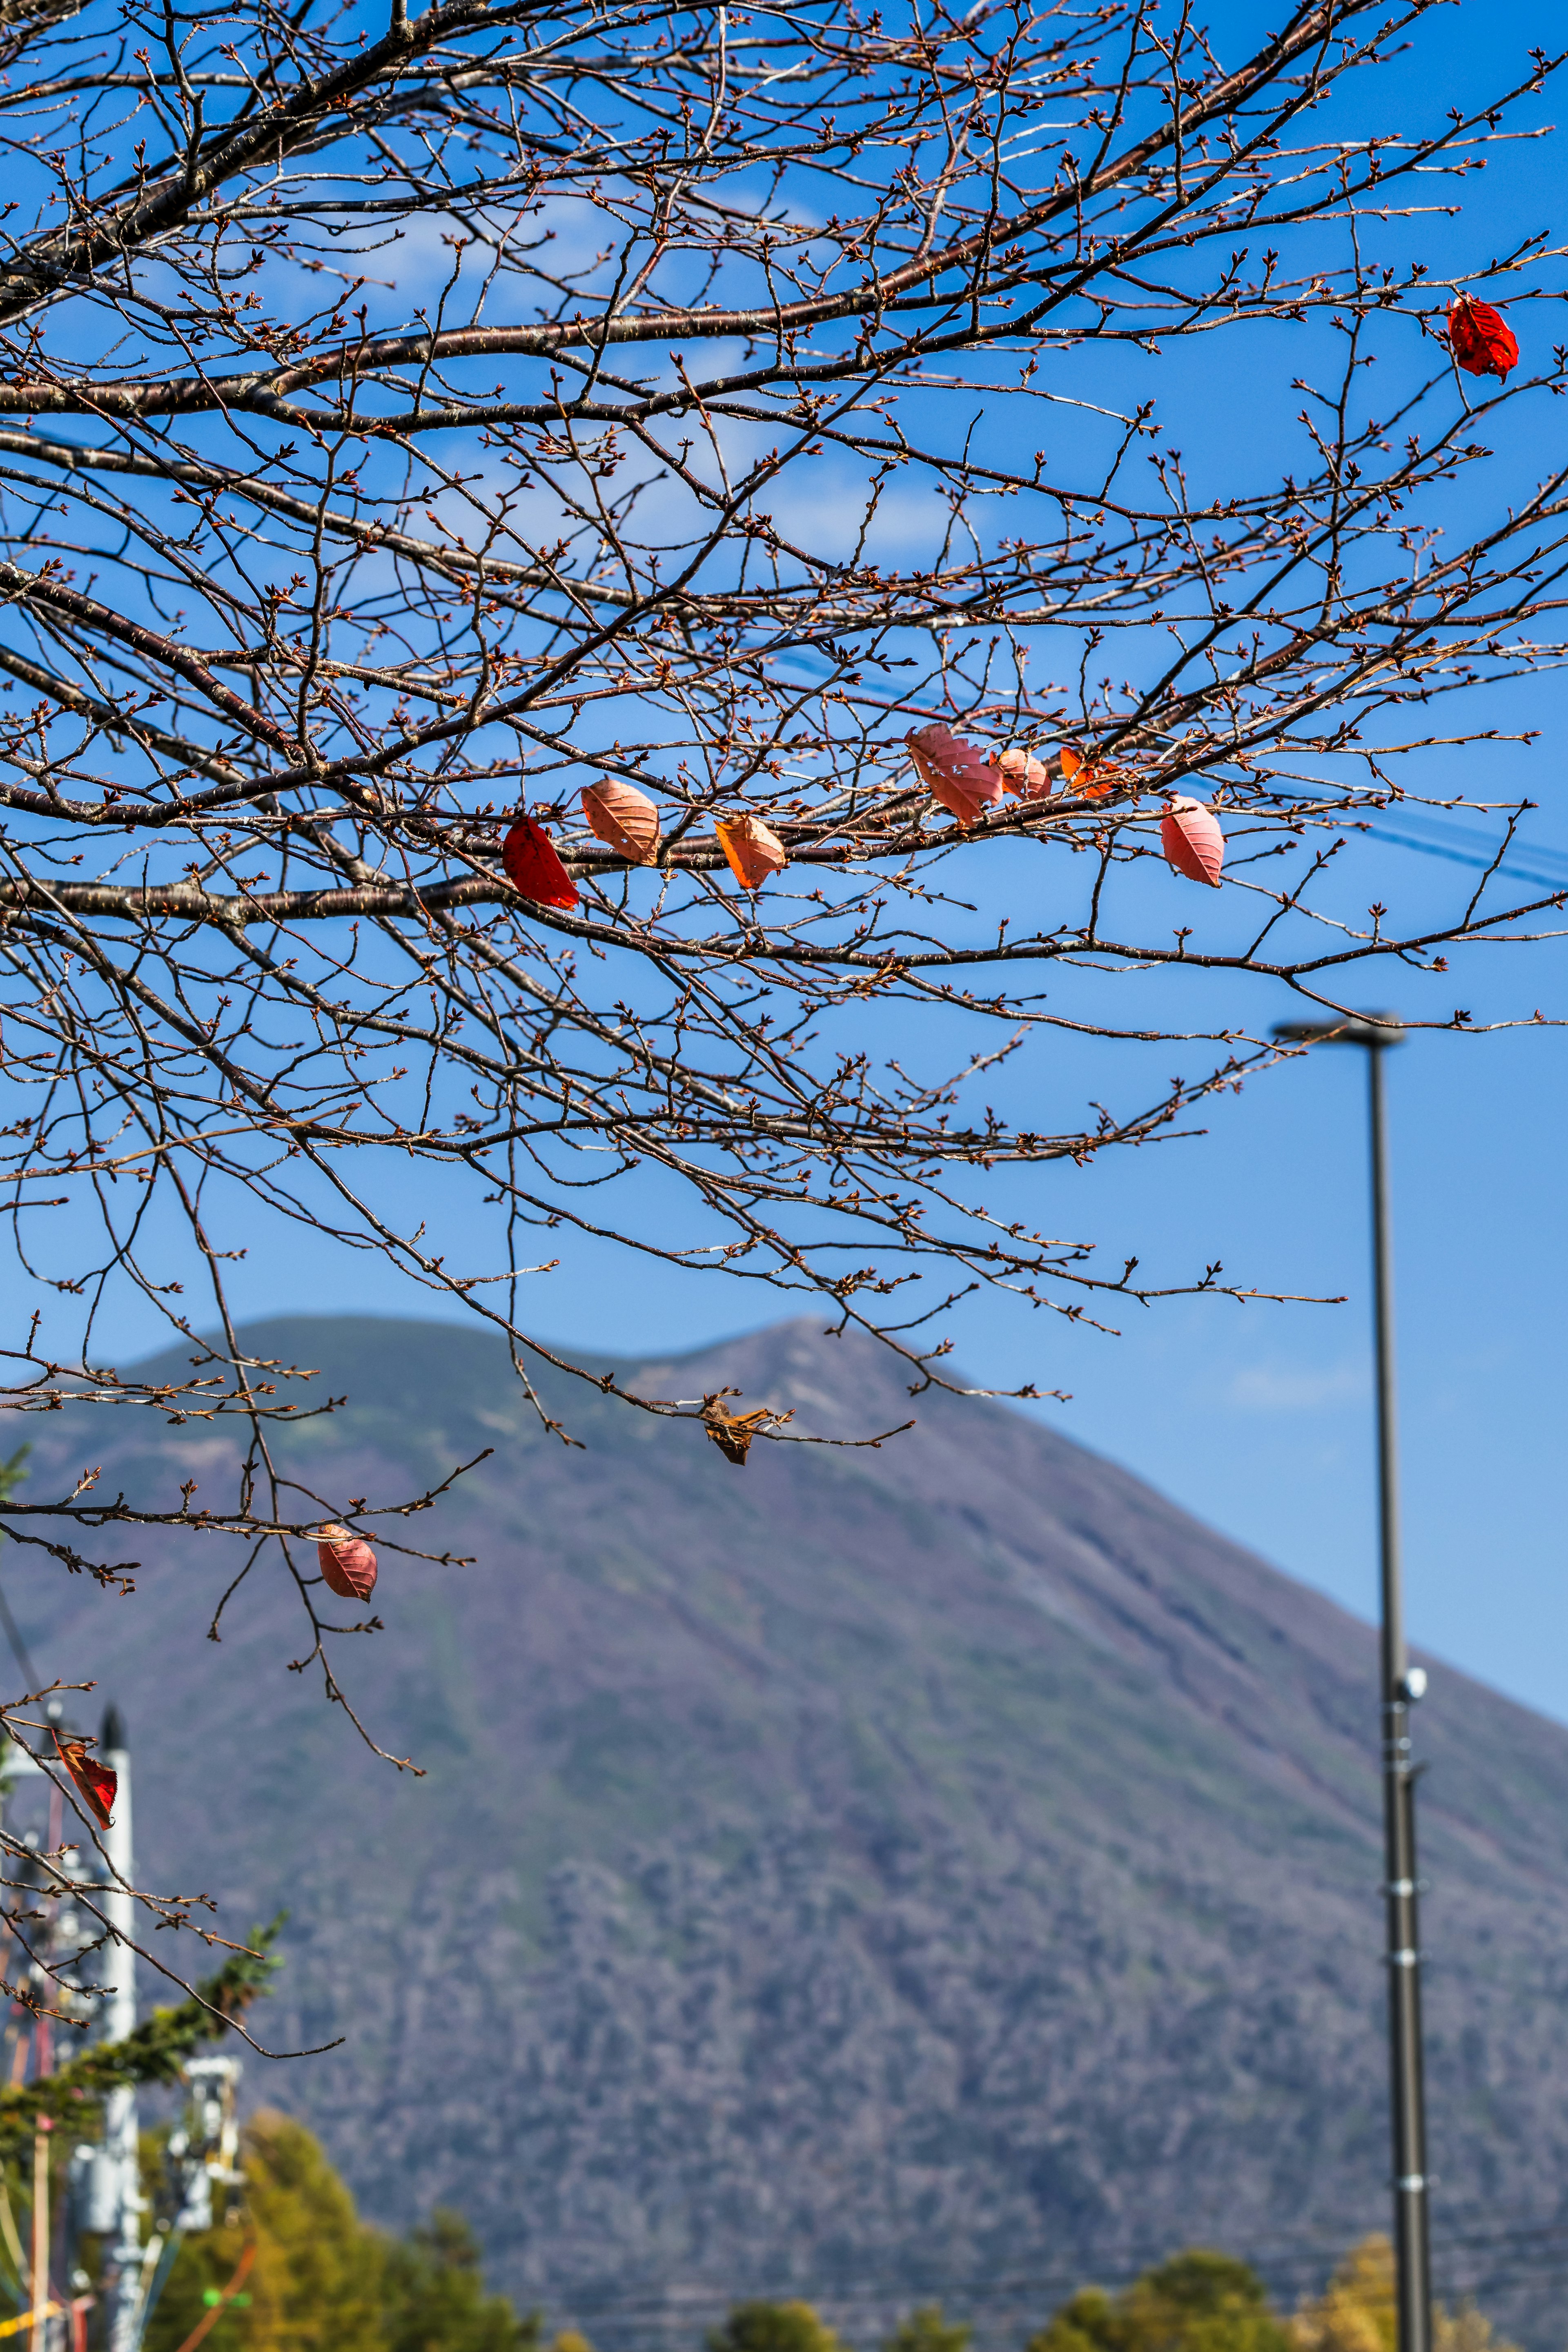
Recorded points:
732,1431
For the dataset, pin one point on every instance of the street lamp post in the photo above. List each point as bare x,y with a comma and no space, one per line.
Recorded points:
1400,1683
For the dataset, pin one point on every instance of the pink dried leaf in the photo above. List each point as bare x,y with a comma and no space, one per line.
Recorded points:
954,772
347,1563
1192,840
618,814
1023,774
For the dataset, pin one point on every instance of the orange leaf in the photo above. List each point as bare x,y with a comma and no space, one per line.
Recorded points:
95,1783
732,1431
753,849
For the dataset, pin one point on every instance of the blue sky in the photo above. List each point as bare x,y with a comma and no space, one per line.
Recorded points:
1258,1417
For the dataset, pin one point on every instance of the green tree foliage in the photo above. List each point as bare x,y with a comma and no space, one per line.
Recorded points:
433,2296
1196,2302
315,2282
774,2327
154,2053
1203,2302
322,2281
926,2330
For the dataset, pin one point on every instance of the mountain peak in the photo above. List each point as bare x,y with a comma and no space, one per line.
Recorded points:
864,1874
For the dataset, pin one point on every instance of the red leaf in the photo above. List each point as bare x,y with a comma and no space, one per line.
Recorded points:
1191,838
529,856
1480,338
962,779
347,1563
95,1783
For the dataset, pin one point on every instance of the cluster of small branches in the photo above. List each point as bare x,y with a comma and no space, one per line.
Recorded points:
66,1913
404,423
155,2053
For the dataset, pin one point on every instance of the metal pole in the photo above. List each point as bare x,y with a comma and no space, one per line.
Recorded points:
122,2254
1411,2242
38,2328
1400,1684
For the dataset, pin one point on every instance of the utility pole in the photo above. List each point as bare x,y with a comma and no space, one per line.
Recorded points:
117,2188
1401,1684
202,2148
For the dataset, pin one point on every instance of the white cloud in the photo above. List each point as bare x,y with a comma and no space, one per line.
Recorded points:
1290,1388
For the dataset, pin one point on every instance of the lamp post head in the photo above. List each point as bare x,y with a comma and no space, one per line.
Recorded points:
1374,1029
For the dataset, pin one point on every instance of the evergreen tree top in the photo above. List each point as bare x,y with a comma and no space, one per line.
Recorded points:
154,2053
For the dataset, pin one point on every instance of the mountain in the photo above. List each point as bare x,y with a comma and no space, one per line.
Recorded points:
943,1869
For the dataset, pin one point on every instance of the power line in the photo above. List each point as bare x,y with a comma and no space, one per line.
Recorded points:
19,1647
1480,858
1299,2256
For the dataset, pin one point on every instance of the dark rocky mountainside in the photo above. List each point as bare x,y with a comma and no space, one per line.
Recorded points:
947,1869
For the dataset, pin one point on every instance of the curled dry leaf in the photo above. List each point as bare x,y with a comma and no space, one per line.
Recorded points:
1064,769
753,849
1092,779
347,1562
954,772
531,866
622,816
1023,774
732,1431
1190,837
95,1784
1480,338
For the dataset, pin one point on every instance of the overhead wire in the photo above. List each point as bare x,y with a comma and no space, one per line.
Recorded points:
1464,847
19,1647
1300,2258
1473,2254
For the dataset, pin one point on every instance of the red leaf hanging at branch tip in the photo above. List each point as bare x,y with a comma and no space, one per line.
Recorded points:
347,1563
95,1784
1480,338
529,856
954,772
1192,839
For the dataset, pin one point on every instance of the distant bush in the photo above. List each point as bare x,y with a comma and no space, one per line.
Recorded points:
1197,2302
926,2330
774,2327
433,2296
1203,2301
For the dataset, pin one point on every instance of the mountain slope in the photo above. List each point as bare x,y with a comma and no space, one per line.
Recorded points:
942,1868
